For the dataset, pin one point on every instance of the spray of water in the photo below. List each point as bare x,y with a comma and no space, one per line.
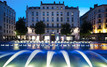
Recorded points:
98,55
32,56
7,54
85,57
13,57
66,56
49,57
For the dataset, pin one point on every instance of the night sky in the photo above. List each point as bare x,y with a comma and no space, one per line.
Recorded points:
20,5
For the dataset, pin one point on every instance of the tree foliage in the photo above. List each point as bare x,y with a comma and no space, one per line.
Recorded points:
40,28
65,29
21,29
86,28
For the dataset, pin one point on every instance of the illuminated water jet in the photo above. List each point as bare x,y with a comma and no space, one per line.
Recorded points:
66,56
13,57
32,56
85,57
49,57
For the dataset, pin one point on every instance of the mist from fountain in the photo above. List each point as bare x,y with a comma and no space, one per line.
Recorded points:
7,54
14,56
50,55
85,57
98,55
35,52
66,57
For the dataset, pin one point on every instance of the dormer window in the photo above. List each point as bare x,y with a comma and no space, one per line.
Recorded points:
43,7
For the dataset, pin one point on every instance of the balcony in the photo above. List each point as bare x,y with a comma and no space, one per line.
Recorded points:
53,26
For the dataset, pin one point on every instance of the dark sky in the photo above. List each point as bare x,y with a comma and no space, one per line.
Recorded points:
20,5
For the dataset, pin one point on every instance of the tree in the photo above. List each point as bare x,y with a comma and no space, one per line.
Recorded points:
21,29
86,29
65,29
40,28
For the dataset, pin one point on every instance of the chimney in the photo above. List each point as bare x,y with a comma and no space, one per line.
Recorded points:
5,2
27,7
41,2
90,8
59,2
95,5
63,2
54,2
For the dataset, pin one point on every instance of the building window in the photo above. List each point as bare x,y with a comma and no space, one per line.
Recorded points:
43,19
99,27
32,13
4,31
47,13
43,7
52,7
99,15
52,25
47,19
57,24
52,13
99,10
36,19
52,19
32,19
57,19
72,19
57,30
61,19
36,13
61,13
67,13
47,30
47,7
52,30
61,8
43,13
72,14
106,9
57,7
4,19
67,19
106,15
99,20
57,13
47,24
106,20
7,20
106,25
72,25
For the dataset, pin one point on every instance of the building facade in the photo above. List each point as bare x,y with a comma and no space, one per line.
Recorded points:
53,15
97,16
7,22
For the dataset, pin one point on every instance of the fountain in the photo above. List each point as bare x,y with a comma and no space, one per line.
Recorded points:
51,58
